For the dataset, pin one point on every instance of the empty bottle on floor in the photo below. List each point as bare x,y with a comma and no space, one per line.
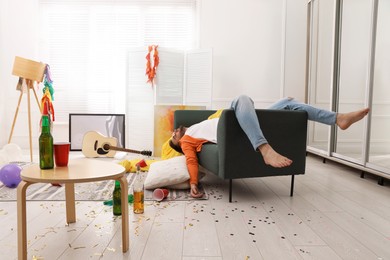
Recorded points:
116,198
138,192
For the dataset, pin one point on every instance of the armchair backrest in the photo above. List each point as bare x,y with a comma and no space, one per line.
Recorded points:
190,117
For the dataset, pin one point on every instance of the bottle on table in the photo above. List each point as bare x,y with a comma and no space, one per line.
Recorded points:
116,199
46,160
138,193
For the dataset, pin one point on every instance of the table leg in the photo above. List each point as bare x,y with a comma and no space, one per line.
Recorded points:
22,225
125,213
70,203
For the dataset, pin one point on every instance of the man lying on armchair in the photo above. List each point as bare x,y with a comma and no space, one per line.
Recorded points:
189,141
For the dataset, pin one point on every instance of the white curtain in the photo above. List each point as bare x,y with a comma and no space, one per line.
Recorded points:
86,44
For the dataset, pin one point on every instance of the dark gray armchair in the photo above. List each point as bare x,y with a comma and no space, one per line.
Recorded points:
234,157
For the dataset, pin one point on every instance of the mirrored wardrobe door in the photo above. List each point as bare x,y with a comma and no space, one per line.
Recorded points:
355,38
379,156
321,16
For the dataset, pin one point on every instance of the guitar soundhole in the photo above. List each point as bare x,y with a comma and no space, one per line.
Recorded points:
104,149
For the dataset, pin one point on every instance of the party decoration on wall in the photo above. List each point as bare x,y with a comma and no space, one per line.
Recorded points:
10,175
48,91
151,67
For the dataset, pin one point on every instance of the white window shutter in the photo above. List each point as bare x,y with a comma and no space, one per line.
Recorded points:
139,106
170,77
198,78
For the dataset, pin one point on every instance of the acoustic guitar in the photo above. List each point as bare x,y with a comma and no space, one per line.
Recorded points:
98,145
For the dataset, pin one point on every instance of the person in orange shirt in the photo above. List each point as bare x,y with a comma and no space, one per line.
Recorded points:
189,140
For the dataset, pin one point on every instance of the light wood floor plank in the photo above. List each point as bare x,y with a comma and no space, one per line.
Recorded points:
334,214
336,238
376,242
317,253
200,235
165,242
139,229
95,238
362,210
294,228
234,232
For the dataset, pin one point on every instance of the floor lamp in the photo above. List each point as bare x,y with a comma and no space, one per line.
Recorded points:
30,73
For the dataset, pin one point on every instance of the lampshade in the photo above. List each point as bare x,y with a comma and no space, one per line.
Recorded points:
28,69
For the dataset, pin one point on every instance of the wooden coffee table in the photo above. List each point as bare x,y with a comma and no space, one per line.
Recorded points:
78,170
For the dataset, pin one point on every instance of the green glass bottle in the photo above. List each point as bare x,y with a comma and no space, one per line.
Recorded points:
46,160
116,198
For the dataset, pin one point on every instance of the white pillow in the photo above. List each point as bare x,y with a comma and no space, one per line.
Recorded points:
186,184
167,172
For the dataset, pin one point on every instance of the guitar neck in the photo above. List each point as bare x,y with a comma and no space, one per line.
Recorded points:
124,149
109,147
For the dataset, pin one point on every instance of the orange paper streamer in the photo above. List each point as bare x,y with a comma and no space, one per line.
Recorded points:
152,68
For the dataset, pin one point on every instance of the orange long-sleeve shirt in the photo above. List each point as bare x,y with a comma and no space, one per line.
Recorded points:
191,146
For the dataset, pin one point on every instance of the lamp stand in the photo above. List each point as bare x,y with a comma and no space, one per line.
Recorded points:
30,86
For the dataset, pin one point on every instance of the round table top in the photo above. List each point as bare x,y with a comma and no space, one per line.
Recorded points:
78,170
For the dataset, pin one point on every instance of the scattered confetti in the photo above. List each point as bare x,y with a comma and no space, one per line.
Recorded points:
79,247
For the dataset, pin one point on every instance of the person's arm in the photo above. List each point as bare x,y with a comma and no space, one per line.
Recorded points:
191,146
189,151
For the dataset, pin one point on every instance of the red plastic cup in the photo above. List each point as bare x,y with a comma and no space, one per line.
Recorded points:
160,194
61,153
142,163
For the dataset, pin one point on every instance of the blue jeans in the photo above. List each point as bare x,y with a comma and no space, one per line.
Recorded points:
244,109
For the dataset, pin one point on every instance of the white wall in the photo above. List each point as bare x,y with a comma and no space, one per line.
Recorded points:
18,38
258,49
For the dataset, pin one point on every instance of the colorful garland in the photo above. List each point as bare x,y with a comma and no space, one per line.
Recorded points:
48,91
151,69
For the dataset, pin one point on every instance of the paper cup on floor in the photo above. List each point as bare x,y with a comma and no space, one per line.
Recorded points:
160,194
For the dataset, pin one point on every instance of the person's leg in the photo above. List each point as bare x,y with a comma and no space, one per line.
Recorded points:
343,120
244,109
314,114
246,116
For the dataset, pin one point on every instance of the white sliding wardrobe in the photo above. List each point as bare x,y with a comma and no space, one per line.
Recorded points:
348,64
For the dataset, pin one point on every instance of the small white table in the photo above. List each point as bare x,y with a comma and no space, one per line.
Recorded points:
78,170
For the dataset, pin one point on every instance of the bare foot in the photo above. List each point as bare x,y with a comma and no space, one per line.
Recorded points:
273,158
195,192
345,120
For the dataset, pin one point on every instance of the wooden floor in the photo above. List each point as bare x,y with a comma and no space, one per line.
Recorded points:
334,214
